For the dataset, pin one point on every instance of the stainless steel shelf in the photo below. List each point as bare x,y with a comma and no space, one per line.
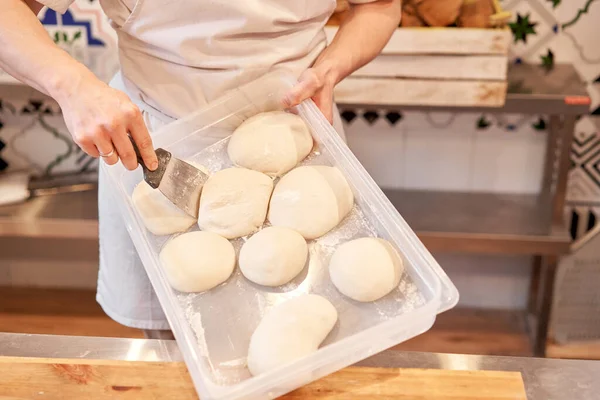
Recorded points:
481,222
62,216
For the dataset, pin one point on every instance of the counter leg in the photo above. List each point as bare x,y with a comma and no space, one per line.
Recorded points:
556,175
566,127
546,293
534,286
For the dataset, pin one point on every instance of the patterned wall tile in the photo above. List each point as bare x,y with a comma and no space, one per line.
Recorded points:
583,218
584,177
533,27
580,30
85,33
33,130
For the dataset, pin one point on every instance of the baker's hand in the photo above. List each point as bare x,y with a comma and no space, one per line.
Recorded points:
99,119
316,83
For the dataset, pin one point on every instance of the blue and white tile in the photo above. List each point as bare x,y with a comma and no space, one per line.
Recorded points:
543,23
584,177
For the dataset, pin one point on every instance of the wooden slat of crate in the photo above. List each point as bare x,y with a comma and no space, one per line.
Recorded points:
486,67
428,92
467,41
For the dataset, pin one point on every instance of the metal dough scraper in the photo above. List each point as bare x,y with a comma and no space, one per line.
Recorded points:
179,181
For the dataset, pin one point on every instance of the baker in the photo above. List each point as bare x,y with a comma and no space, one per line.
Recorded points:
175,57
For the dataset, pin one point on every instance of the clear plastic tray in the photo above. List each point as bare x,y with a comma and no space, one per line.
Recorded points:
213,329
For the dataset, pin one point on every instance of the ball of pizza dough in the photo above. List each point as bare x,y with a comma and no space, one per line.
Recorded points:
311,200
197,261
234,202
272,143
366,269
273,256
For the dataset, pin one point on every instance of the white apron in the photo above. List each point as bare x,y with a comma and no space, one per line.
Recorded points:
207,55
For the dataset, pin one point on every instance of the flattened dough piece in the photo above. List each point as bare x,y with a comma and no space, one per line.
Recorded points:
197,261
159,215
311,200
234,202
273,256
272,143
290,331
366,269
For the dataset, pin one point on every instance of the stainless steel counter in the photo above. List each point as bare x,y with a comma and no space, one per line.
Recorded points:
59,216
545,379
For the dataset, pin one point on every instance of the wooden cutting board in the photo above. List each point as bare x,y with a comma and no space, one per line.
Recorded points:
40,378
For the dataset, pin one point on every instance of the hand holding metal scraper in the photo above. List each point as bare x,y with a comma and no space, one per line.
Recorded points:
179,181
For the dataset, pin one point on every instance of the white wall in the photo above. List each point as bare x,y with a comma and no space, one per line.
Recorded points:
489,281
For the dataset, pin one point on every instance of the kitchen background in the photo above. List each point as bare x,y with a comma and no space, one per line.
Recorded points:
442,151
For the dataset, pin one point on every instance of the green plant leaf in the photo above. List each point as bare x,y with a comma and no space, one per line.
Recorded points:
64,37
555,3
56,37
76,36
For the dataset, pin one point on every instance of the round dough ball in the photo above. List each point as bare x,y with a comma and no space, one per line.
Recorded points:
234,202
197,261
366,269
273,256
290,331
158,214
272,143
311,200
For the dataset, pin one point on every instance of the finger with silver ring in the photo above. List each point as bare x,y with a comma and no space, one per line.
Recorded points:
107,151
107,155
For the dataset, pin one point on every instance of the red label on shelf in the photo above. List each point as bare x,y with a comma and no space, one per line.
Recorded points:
577,100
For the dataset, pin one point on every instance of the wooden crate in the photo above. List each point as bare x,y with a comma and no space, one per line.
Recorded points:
432,66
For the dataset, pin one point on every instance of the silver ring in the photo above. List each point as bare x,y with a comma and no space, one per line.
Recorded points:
110,153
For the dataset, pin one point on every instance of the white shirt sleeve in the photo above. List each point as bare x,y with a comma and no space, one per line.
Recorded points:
57,5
